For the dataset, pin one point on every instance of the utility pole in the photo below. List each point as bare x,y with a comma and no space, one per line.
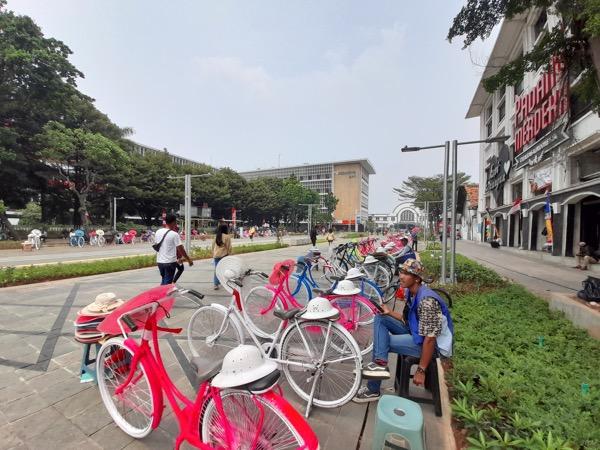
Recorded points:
454,210
115,211
446,146
188,206
310,206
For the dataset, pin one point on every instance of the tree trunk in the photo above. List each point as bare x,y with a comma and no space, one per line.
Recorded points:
8,226
83,212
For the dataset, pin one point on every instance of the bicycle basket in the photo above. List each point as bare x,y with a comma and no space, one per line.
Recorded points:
110,325
281,272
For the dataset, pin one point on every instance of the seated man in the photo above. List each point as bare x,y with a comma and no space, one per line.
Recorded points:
422,328
586,256
405,253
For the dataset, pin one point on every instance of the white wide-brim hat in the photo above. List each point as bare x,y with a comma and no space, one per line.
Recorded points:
354,274
346,287
104,304
319,308
370,260
242,365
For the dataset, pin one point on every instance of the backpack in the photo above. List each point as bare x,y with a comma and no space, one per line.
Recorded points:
591,290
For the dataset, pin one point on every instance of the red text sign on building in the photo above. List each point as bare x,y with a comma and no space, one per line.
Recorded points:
541,106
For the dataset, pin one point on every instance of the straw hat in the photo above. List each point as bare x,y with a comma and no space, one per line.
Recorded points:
104,304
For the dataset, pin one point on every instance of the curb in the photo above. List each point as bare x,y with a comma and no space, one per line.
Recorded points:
449,442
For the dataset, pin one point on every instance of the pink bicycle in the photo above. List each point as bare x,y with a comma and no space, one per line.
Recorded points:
241,411
356,312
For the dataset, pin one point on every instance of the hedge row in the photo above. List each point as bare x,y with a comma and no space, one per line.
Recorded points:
11,276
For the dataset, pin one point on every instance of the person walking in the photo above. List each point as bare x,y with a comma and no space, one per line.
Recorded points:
330,236
221,247
169,246
415,239
313,236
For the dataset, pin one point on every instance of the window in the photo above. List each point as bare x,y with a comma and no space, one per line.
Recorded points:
501,110
540,25
407,216
588,165
488,121
517,191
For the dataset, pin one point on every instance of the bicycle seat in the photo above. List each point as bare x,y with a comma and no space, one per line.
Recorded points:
263,384
337,277
286,314
205,368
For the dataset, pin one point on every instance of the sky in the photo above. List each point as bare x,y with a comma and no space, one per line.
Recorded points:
250,84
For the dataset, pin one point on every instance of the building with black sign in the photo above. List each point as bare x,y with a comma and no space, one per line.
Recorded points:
553,151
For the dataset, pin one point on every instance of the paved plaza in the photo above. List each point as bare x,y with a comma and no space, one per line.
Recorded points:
43,404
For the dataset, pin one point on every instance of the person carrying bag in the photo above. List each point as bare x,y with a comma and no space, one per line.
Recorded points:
168,247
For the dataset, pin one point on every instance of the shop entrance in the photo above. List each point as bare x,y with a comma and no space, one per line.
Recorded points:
590,221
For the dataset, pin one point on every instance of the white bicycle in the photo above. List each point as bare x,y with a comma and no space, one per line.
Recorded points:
35,238
320,359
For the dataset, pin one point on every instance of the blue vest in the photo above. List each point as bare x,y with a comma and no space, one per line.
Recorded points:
413,316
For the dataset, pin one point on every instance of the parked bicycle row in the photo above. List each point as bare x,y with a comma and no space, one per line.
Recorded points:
311,319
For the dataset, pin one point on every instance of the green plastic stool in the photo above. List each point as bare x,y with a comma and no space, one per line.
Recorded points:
399,425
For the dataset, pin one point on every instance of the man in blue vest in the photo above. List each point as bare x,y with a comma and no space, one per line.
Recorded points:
422,329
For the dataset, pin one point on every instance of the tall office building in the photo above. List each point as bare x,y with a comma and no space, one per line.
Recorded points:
347,180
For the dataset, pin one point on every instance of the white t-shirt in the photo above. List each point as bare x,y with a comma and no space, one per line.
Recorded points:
168,249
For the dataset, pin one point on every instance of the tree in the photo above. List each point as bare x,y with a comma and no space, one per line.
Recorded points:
31,215
294,196
330,202
431,189
36,81
79,158
574,39
149,188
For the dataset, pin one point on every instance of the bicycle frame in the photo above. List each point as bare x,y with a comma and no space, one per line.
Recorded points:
235,310
188,415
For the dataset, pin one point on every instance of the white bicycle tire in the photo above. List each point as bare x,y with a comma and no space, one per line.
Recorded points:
355,356
219,311
266,327
107,399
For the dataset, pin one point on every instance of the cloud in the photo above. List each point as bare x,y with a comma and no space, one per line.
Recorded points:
233,70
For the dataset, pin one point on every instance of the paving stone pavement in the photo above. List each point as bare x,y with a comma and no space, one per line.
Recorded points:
43,404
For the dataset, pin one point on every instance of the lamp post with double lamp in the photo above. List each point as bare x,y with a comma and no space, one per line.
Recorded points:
188,205
115,211
446,147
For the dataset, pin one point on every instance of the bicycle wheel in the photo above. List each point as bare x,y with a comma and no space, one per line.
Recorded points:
445,296
243,415
259,317
211,333
101,241
94,240
80,241
133,409
300,290
371,291
324,276
356,316
337,378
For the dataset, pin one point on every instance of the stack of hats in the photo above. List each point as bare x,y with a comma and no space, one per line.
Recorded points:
88,319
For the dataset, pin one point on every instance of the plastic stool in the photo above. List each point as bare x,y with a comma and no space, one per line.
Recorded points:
432,381
399,425
87,371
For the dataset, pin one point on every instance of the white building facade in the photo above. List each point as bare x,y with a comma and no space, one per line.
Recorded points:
553,150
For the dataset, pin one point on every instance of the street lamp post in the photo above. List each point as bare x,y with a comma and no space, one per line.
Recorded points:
188,205
115,211
446,147
310,206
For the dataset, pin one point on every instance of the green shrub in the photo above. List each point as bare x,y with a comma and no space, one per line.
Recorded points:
523,384
467,271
